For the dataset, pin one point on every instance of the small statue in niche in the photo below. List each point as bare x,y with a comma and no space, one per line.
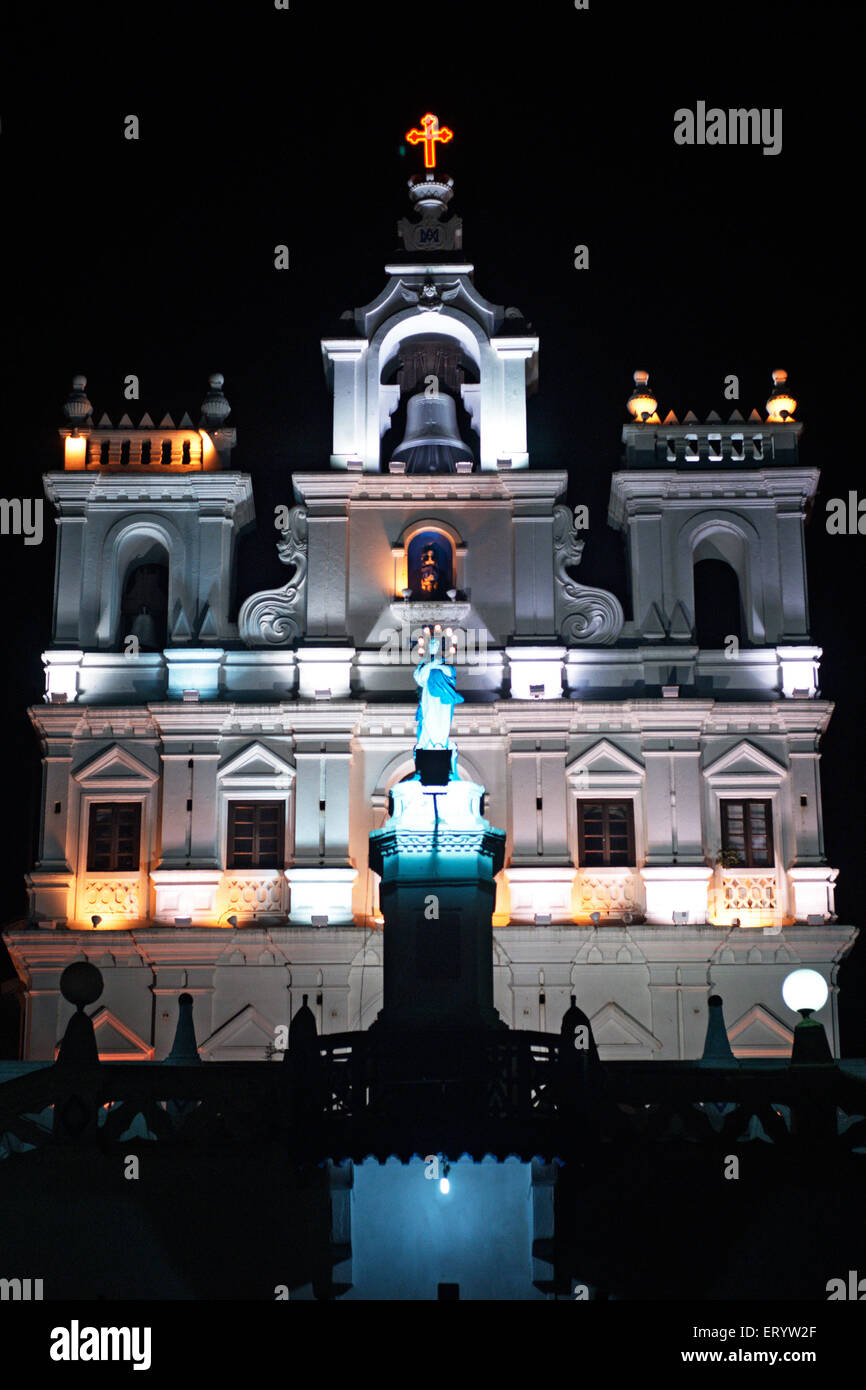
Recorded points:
429,571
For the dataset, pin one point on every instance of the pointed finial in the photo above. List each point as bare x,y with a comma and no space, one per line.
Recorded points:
215,407
717,1049
303,1034
77,407
184,1050
642,403
578,1041
781,404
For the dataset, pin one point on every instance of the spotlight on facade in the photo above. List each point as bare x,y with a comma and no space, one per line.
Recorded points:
595,918
444,1183
804,992
232,920
680,919
96,919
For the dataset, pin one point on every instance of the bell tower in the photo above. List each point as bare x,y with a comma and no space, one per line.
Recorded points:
735,493
430,322
430,512
148,517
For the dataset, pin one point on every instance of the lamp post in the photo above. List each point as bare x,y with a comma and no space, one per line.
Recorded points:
813,1114
805,992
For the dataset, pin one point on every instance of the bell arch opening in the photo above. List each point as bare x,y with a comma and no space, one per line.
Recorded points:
144,599
719,613
430,426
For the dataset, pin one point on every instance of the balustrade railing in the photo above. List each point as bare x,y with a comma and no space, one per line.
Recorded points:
352,1091
611,892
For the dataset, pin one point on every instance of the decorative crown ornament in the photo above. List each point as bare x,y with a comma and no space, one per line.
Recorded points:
437,643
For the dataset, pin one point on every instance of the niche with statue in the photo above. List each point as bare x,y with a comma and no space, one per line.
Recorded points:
430,566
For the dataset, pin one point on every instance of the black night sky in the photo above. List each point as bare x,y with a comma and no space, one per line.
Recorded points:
261,126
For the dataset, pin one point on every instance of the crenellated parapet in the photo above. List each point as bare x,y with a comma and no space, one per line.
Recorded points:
126,447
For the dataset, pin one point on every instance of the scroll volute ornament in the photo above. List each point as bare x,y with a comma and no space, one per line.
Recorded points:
277,617
584,615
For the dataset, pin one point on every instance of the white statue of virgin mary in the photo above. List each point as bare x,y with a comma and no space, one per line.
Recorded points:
438,684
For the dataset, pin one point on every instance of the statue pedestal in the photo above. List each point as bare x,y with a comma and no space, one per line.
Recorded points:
438,858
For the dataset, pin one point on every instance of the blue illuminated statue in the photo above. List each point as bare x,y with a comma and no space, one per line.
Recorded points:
438,683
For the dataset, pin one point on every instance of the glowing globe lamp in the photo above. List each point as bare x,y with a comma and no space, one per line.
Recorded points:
805,991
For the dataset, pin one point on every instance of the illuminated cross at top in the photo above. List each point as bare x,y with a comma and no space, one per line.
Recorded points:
429,133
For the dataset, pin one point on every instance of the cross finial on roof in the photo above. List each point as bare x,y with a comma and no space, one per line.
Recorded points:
430,133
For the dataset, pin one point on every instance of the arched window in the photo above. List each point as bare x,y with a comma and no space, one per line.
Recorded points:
144,605
430,565
718,604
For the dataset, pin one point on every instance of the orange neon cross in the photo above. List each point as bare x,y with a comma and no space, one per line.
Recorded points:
430,133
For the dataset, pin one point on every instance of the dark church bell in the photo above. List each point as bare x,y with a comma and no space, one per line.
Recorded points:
145,607
432,442
144,628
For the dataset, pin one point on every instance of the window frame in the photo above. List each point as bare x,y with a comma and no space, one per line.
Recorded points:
606,801
115,807
259,804
744,801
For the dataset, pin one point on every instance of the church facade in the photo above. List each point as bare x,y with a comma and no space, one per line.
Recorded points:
210,782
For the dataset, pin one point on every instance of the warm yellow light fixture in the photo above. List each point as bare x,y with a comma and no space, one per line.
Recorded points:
208,450
642,403
75,450
781,404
